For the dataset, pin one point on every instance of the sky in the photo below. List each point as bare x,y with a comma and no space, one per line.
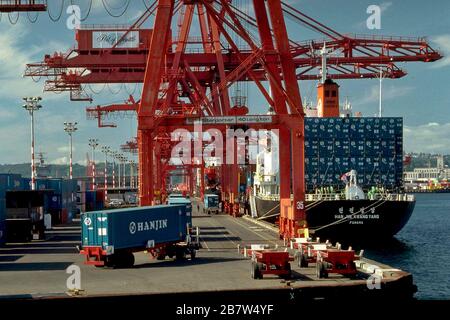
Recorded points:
422,97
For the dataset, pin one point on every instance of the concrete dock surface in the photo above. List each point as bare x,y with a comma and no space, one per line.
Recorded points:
38,270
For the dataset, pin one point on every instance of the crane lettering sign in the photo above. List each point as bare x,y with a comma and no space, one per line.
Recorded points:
107,39
232,119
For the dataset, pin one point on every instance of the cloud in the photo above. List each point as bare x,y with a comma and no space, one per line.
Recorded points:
61,160
443,44
65,149
430,138
389,93
6,114
13,59
385,6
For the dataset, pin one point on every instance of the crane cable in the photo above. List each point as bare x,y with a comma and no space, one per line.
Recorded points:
88,11
33,20
10,20
109,7
96,92
60,11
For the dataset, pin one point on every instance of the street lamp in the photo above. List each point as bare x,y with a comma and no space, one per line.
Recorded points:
121,163
117,156
130,162
70,128
114,157
32,105
124,163
122,159
106,150
93,143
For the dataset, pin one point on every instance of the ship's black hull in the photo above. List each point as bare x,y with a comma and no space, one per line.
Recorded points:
381,219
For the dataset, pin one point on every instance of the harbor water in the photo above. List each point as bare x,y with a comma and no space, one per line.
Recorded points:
422,247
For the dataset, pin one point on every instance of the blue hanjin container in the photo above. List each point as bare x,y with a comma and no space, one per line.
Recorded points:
2,221
135,228
10,182
2,232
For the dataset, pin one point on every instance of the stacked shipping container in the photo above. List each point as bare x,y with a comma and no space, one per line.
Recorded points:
371,146
62,201
8,182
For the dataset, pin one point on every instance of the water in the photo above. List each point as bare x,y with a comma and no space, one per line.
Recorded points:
422,247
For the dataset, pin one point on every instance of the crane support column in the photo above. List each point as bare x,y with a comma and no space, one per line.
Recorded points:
292,215
150,90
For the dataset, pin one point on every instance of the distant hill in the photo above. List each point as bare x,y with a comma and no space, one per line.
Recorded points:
418,160
425,160
54,170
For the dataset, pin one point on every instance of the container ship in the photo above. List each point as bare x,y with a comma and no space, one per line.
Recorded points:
353,173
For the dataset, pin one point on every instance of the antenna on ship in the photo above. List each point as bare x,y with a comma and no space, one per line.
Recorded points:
324,52
380,106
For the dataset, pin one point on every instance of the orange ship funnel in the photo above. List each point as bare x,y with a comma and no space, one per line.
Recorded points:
328,99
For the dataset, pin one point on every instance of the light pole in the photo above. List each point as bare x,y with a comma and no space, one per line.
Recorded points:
114,157
124,172
106,151
93,143
32,105
119,157
70,128
130,162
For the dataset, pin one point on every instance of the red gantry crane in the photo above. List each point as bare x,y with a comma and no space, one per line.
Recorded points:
22,5
187,75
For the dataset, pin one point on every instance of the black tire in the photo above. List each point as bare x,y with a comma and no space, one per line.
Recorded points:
130,260
260,267
287,267
323,273
303,262
161,257
318,267
124,259
256,270
193,254
110,261
180,254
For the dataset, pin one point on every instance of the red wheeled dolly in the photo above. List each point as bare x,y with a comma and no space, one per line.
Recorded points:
336,261
266,261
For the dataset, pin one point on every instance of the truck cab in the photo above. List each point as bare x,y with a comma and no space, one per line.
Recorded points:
211,203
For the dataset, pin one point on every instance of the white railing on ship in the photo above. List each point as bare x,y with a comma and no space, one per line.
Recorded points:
269,197
320,197
334,197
